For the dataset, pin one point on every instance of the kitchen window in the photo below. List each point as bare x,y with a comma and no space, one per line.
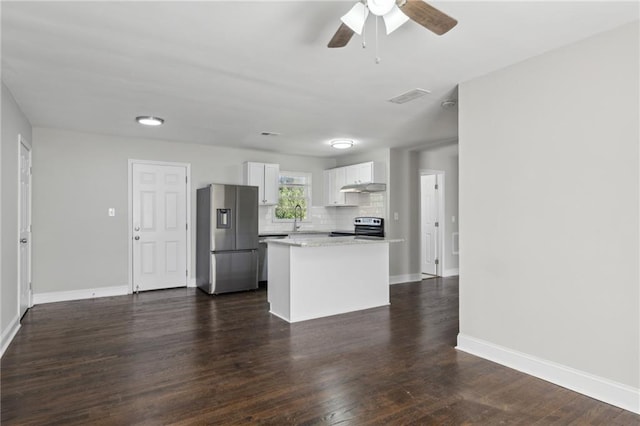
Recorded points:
294,189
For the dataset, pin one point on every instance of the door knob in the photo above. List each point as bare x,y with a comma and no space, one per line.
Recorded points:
137,237
23,240
137,228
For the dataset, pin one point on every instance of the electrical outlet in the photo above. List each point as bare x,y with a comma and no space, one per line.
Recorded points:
112,211
453,219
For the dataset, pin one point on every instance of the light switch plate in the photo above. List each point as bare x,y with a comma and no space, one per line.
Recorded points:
112,211
395,216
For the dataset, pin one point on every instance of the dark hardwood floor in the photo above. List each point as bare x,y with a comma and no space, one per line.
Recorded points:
182,357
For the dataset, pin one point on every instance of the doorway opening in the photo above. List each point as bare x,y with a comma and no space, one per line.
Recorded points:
432,191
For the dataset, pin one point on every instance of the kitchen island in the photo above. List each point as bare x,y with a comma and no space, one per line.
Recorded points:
317,277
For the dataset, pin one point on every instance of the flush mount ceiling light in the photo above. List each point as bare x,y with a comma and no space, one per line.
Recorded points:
341,143
148,120
448,103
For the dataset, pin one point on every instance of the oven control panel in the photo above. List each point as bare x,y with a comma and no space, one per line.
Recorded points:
368,221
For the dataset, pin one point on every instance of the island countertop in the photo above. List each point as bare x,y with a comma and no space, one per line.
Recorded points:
300,241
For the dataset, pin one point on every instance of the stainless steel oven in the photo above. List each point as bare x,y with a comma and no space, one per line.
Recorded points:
364,227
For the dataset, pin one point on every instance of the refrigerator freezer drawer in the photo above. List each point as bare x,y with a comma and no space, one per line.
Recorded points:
233,271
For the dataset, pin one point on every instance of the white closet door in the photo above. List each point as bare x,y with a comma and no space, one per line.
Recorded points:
25,228
429,213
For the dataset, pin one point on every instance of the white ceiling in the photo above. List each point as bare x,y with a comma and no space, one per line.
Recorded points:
222,72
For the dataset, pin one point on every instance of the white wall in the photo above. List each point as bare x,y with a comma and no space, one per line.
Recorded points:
78,176
549,207
14,123
445,158
404,200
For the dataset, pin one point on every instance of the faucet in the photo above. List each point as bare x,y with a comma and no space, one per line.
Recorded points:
297,208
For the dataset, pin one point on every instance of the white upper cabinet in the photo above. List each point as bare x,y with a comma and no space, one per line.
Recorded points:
369,172
271,183
334,179
362,173
265,177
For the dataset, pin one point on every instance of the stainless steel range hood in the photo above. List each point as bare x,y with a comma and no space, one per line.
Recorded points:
365,187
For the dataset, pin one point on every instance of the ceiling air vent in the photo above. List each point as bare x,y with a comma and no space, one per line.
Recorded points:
409,96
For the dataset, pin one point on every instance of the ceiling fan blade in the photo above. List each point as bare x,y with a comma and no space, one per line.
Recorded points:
428,16
341,37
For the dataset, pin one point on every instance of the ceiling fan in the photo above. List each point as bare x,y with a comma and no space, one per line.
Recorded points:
394,13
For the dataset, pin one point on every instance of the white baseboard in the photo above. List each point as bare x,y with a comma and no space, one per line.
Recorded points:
88,293
9,333
605,390
450,272
405,278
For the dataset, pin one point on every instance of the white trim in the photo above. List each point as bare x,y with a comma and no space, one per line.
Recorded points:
87,293
187,166
191,282
451,272
25,142
9,333
404,278
605,390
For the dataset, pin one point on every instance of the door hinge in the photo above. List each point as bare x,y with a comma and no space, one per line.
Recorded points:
437,224
436,186
186,226
30,170
437,261
186,273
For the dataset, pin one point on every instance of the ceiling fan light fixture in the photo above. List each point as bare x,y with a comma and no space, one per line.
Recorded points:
147,120
394,19
356,17
341,143
380,7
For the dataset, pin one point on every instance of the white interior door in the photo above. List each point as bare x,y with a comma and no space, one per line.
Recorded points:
429,224
25,229
159,196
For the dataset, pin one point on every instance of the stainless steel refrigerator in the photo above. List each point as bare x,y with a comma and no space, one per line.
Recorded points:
227,238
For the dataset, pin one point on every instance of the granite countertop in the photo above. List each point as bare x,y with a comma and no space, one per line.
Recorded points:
287,233
300,232
300,241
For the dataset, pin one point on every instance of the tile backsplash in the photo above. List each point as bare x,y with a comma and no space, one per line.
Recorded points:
327,218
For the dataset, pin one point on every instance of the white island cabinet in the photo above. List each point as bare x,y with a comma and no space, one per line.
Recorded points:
314,278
